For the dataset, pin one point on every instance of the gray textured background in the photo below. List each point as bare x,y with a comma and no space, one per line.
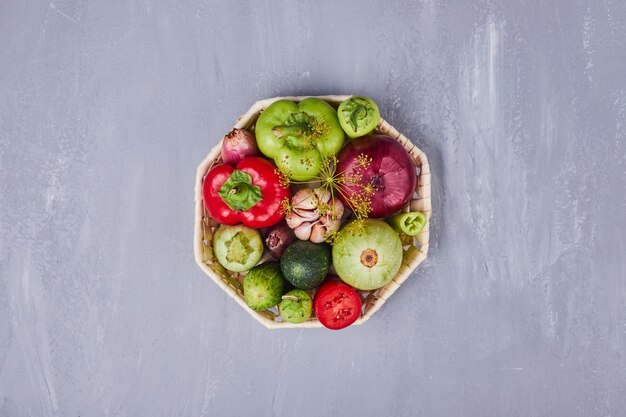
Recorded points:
107,107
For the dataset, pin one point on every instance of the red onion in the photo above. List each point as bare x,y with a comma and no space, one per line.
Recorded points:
391,173
278,238
238,144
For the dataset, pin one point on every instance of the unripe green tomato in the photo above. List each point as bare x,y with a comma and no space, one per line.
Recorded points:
296,306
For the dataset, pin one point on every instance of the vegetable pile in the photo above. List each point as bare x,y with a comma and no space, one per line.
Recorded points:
320,193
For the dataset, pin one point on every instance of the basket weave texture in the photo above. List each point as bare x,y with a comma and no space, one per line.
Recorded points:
415,250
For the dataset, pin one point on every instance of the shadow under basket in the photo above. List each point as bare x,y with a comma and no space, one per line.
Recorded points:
414,250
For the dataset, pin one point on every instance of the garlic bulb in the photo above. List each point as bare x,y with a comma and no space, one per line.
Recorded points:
314,215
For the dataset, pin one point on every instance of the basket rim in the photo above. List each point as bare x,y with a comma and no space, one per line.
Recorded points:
422,203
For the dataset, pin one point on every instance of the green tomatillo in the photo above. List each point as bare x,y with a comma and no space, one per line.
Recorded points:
237,248
367,254
358,116
296,306
299,136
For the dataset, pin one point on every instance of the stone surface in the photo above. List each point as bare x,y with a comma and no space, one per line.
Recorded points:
106,109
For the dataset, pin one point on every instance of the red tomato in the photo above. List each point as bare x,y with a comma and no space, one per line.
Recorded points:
337,305
262,209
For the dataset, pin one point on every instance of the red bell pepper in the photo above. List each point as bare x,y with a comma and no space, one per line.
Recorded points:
249,193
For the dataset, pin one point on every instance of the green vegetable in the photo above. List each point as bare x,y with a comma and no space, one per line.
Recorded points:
367,254
298,136
305,264
408,223
263,286
358,116
237,248
296,306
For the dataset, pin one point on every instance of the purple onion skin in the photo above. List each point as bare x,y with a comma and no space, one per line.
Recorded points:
238,144
391,172
278,238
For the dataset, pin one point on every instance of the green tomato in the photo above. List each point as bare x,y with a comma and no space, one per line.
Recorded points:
263,286
298,136
296,306
367,254
358,116
237,248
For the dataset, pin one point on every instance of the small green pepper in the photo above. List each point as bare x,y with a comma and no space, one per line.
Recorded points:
358,116
299,136
408,223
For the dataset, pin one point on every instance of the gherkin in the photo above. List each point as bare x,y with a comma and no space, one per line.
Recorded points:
263,286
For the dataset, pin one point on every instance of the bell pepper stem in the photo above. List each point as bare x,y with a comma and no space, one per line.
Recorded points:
410,223
239,193
296,136
297,129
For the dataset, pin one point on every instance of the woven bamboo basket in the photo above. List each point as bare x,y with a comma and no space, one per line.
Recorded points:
415,250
